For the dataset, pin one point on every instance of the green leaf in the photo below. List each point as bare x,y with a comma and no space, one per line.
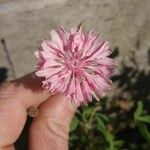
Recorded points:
109,138
100,124
87,111
145,118
74,124
73,137
104,117
119,143
144,131
139,110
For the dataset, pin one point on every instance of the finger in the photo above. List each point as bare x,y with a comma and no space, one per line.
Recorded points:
29,90
50,129
12,117
15,97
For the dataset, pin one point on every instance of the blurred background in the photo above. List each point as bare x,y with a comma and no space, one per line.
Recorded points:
121,120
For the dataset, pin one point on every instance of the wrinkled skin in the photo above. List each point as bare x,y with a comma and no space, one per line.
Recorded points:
49,130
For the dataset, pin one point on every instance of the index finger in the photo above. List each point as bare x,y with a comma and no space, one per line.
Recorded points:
29,90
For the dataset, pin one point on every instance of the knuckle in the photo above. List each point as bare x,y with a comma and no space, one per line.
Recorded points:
57,128
7,91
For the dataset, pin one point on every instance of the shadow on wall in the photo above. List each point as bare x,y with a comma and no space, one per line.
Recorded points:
8,58
131,79
3,74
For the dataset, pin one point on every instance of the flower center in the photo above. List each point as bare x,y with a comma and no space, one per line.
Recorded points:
74,63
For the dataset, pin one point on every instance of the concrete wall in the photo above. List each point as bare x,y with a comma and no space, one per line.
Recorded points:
23,23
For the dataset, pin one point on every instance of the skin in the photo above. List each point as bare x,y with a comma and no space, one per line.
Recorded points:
49,130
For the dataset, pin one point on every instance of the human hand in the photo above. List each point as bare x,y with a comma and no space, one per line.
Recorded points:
49,130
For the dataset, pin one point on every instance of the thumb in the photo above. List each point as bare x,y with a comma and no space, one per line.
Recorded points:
50,129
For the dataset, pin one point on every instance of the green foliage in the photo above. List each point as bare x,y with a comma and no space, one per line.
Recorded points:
144,131
91,131
94,129
139,110
74,123
113,144
141,121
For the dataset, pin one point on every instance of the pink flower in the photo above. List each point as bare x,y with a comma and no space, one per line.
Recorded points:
75,63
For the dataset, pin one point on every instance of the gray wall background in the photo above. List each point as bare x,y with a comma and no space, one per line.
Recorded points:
23,23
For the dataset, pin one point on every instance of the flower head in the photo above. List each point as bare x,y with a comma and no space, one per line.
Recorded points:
75,63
